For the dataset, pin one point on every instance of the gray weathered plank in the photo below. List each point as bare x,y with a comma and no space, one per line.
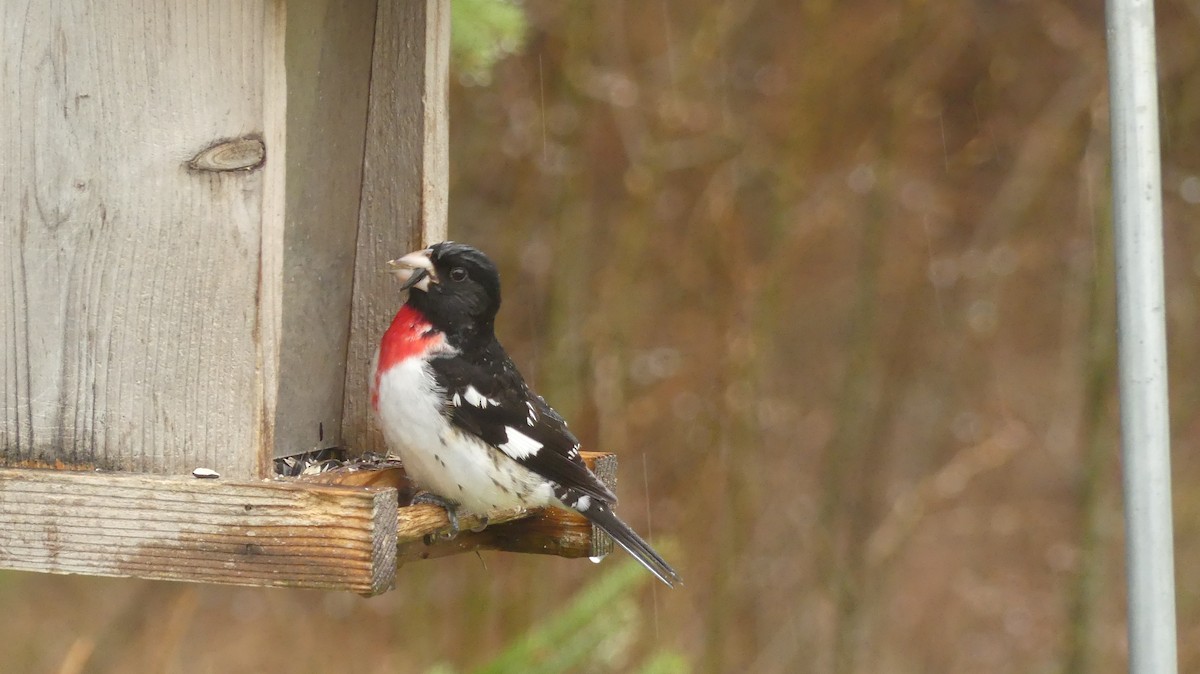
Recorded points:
128,281
178,222
406,158
312,247
261,533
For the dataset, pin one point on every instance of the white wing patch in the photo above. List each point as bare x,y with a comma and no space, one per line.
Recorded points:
532,419
477,399
519,445
456,400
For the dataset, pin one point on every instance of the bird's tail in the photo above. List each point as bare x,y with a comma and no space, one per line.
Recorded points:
600,514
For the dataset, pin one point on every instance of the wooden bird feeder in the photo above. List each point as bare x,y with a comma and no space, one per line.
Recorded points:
196,202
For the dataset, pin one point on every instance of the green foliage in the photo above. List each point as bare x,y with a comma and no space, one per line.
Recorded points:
666,662
481,33
595,632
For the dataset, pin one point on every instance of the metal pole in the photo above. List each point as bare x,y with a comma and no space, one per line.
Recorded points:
1141,326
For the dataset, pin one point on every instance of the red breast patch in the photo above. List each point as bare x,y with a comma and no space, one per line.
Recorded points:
409,335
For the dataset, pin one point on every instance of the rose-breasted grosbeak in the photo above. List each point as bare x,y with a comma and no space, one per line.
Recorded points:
454,408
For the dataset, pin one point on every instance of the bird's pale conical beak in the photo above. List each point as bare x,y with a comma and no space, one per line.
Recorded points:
414,270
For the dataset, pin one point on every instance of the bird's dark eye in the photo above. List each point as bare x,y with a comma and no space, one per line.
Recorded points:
458,274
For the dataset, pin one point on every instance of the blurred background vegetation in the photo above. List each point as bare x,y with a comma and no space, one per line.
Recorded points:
835,281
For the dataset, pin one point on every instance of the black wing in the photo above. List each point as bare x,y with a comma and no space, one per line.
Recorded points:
488,398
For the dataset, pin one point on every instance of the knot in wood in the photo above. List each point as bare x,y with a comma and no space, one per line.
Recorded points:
239,154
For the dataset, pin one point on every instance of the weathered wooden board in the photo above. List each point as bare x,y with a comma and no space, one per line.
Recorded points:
262,533
545,531
339,530
404,182
128,281
309,248
179,207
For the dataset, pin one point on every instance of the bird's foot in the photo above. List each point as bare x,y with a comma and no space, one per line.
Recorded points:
483,522
451,514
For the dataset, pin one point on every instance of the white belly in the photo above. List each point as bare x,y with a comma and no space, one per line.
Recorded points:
444,460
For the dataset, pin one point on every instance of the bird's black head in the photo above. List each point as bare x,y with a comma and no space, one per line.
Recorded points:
455,286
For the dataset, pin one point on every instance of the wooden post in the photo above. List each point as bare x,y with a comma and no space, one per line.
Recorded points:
406,155
309,258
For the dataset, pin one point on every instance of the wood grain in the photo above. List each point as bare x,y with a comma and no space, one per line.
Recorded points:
405,175
318,532
179,212
309,248
128,283
543,531
238,154
262,533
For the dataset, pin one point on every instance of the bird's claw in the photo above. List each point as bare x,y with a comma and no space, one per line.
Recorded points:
451,507
450,533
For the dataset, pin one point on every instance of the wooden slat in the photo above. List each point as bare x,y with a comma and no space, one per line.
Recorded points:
128,280
404,189
309,247
262,533
337,530
544,531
